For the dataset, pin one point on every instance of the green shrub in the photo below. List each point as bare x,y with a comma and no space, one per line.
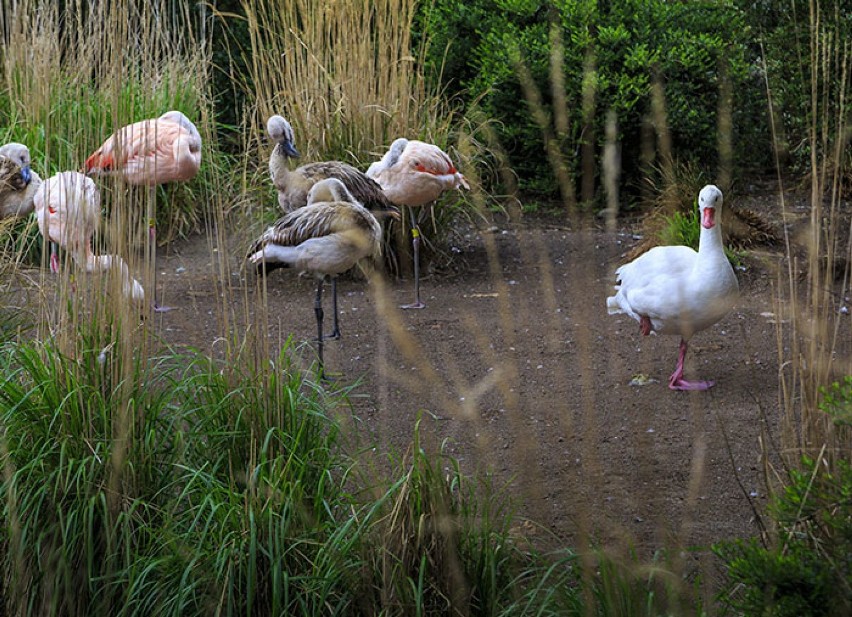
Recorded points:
612,51
808,568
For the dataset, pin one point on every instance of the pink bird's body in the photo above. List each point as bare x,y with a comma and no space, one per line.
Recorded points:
414,173
156,151
67,208
147,153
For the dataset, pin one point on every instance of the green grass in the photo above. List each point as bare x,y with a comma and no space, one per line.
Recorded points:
138,481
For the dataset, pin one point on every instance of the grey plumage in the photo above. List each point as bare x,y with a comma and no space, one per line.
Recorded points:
293,185
328,236
18,183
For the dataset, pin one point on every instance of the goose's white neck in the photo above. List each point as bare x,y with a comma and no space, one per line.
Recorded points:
710,240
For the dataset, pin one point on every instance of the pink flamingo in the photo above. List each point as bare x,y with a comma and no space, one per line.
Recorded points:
67,208
150,152
413,173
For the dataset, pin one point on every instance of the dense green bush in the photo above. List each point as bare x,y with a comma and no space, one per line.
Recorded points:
808,570
610,49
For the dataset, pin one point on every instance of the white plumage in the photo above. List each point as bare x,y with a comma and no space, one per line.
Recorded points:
67,207
675,290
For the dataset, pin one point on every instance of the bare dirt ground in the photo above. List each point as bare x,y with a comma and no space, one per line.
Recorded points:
519,371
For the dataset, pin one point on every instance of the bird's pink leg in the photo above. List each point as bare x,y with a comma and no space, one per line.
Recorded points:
677,382
54,259
645,325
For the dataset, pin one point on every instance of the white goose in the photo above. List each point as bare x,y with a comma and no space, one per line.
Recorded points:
674,290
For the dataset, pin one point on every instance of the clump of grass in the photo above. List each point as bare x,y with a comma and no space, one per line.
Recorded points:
441,543
71,75
171,485
350,81
806,569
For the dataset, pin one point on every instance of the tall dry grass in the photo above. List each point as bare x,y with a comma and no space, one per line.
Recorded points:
344,74
815,346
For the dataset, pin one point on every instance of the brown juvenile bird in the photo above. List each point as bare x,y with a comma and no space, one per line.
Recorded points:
293,185
328,236
18,183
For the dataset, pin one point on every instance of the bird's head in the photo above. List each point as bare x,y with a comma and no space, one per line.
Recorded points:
20,154
280,131
709,200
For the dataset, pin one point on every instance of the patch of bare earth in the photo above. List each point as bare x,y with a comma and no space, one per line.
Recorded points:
520,371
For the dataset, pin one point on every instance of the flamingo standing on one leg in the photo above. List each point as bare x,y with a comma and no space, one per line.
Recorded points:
150,152
413,173
674,290
67,208
293,185
328,236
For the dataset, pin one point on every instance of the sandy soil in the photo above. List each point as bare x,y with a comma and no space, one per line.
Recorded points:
519,371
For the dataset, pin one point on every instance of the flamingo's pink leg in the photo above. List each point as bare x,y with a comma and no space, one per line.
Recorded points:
54,259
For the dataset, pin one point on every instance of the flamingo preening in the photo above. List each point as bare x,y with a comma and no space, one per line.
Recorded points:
328,236
674,290
147,153
414,173
67,207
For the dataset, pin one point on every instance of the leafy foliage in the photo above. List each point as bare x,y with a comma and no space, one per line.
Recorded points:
613,52
808,568
807,571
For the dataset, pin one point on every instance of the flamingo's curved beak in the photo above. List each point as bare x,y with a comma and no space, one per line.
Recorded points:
288,148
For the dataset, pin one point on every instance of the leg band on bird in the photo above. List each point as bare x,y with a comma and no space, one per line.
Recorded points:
415,245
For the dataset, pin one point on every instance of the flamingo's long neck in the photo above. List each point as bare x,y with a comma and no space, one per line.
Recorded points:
101,263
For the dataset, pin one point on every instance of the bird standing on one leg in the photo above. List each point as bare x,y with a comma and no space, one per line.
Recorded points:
150,152
674,290
328,236
414,173
67,207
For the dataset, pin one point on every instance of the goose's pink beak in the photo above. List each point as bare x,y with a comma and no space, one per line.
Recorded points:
708,218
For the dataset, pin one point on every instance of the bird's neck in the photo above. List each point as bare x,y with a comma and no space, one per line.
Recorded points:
279,163
710,241
94,263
